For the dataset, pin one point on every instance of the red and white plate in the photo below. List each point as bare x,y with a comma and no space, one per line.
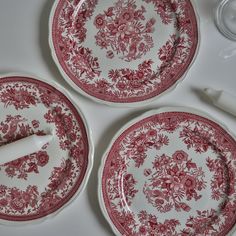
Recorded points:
170,172
41,184
123,52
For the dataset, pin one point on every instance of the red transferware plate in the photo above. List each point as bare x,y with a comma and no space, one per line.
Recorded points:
170,172
123,51
39,185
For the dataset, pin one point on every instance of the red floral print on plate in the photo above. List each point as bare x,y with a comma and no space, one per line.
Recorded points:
41,183
14,128
123,51
170,173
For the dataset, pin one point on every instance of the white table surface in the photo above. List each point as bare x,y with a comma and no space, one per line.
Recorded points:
24,48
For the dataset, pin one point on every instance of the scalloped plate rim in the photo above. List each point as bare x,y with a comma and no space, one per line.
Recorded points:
120,104
130,123
90,150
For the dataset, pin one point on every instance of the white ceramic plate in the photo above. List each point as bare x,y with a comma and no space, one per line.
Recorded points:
41,184
170,172
123,52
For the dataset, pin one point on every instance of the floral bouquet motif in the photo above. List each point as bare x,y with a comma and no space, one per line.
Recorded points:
175,178
122,30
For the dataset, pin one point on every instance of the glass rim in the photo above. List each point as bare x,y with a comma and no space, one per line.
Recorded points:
220,22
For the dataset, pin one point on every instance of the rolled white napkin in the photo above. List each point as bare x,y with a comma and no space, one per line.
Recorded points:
222,99
22,147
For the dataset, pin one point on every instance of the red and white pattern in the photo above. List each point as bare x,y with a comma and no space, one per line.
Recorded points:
165,9
41,183
121,30
174,179
16,202
170,173
14,128
124,51
19,97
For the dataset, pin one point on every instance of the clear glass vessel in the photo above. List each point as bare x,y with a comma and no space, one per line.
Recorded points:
225,18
